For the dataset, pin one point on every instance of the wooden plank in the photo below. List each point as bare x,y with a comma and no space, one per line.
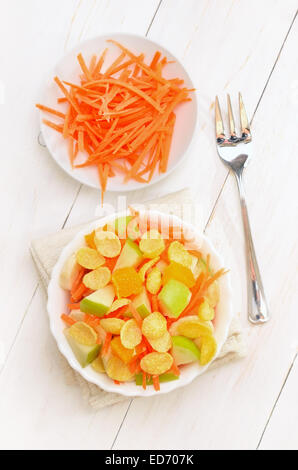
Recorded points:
229,408
219,59
38,195
102,17
282,431
33,34
38,409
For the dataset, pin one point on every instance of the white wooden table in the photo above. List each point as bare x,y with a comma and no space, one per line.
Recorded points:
226,46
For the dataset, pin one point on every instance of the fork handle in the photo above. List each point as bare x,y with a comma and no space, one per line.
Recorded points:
257,305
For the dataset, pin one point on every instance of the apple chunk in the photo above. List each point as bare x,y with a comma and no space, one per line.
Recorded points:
85,354
130,256
99,302
174,298
121,225
142,304
69,272
184,350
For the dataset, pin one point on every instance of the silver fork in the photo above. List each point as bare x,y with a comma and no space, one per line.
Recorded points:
235,153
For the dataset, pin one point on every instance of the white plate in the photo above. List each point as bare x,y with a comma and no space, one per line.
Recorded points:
59,298
69,69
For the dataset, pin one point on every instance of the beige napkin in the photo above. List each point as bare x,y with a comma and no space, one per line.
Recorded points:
46,251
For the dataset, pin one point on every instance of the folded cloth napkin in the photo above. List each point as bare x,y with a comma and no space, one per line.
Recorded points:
46,251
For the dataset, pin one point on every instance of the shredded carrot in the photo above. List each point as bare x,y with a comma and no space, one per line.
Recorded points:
50,110
195,253
67,319
154,303
155,59
133,364
93,322
155,379
56,127
175,369
79,292
136,314
199,290
77,281
144,382
106,344
74,306
122,119
116,382
149,348
103,171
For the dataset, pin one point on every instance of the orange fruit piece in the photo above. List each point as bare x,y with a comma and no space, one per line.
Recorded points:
89,239
180,273
120,351
127,282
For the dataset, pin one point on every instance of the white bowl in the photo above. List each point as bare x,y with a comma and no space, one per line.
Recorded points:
69,69
58,299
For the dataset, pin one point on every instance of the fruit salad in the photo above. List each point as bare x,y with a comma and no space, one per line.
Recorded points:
142,305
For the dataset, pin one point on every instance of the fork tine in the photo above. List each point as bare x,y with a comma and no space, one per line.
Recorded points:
231,117
245,126
218,121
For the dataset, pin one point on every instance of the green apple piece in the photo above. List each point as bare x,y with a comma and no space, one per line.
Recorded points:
120,225
130,256
99,302
174,298
84,354
69,272
184,350
167,377
142,304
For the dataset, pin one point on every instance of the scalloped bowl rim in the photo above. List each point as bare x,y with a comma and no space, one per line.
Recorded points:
130,389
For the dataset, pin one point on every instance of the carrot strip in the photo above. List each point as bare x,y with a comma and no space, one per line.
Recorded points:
78,293
133,365
84,67
67,319
155,59
100,63
74,306
106,344
92,64
77,280
103,171
110,70
144,382
175,369
154,303
51,124
155,379
81,141
67,94
129,87
66,123
50,110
